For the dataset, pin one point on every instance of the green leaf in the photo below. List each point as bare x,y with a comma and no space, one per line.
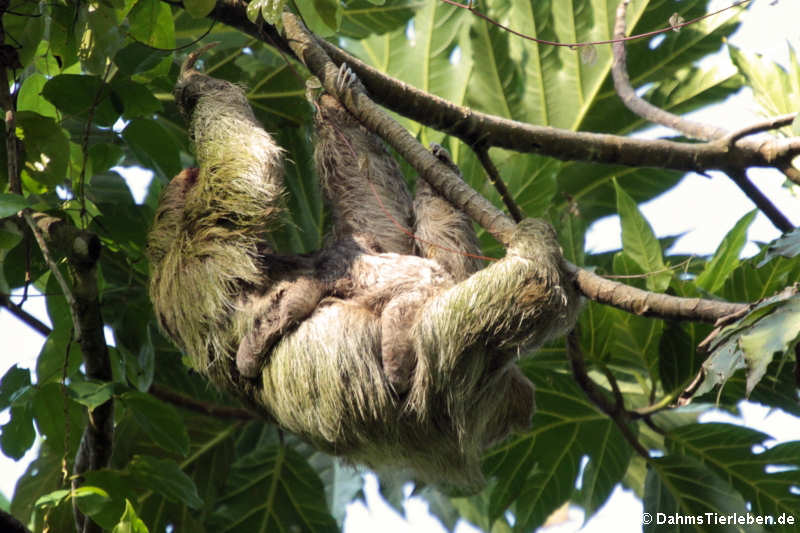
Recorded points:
137,100
165,477
770,337
753,280
90,500
117,485
159,420
153,146
137,57
682,486
103,156
58,346
775,89
108,188
678,360
50,405
273,489
17,434
11,204
753,341
14,382
558,89
91,394
496,87
30,96
428,63
787,245
536,470
76,94
323,17
199,8
636,342
130,522
24,27
764,477
46,148
100,37
362,18
53,498
270,10
726,258
151,24
640,243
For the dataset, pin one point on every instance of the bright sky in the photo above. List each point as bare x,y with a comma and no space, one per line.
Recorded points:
705,209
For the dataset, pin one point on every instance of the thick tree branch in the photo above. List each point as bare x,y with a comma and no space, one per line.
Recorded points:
9,59
443,179
439,175
644,303
475,128
82,250
9,523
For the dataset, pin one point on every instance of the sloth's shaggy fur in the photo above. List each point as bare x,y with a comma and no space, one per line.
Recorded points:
368,351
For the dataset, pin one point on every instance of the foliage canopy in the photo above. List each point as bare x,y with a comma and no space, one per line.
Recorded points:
93,94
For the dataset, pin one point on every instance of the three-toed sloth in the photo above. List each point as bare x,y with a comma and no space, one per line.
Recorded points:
389,348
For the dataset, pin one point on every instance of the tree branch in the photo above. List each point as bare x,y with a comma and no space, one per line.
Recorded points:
218,411
494,177
616,411
706,132
10,524
759,127
639,106
32,322
764,204
474,127
439,175
82,250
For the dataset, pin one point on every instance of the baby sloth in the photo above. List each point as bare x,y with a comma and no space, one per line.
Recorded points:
385,350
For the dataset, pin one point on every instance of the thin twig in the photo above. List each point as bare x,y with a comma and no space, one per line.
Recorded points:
500,186
771,123
33,322
645,412
615,411
217,411
764,204
53,266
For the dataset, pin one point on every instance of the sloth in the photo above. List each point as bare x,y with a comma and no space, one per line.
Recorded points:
391,346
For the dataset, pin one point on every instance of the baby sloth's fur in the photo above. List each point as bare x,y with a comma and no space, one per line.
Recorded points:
388,351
